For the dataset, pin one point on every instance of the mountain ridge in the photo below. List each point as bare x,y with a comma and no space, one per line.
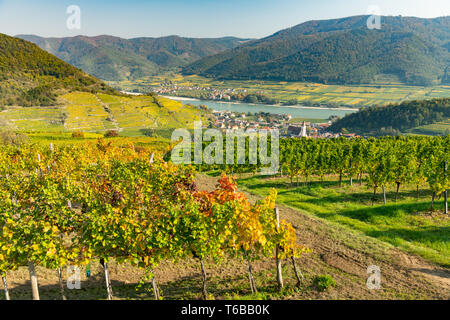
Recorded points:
114,58
414,49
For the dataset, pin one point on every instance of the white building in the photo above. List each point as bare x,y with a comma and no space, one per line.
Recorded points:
303,133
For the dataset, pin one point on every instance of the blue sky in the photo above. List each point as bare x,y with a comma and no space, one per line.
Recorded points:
193,18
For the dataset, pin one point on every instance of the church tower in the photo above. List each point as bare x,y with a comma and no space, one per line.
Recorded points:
303,133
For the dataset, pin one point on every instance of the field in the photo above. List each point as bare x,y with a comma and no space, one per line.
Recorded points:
311,93
433,129
87,112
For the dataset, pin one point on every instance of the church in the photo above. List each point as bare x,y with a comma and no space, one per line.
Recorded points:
298,131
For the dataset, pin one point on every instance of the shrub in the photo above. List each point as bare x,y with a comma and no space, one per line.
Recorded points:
139,149
111,134
324,282
13,138
77,134
148,132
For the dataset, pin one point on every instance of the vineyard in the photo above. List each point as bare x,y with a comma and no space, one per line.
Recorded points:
70,205
92,113
392,189
386,161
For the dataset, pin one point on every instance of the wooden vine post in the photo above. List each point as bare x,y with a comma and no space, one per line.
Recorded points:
32,268
277,254
107,279
60,276
446,191
351,176
34,281
5,282
5,285
155,288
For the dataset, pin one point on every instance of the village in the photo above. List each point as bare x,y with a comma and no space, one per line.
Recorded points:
288,127
227,120
208,93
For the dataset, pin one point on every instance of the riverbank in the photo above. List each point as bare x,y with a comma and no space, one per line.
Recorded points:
299,111
254,104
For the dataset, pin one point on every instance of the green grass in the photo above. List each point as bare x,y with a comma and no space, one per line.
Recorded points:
438,128
405,224
324,282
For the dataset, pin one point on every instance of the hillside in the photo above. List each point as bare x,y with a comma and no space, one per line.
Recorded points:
341,51
112,58
89,112
395,118
31,76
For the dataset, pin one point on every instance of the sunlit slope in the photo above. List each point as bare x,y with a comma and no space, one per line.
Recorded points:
29,76
82,111
340,51
113,58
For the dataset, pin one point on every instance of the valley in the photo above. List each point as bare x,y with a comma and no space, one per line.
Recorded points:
359,124
292,98
114,58
287,93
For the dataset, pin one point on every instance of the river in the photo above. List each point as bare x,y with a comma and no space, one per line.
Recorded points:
294,111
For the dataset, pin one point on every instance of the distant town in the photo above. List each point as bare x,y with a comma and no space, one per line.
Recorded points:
228,120
288,127
208,93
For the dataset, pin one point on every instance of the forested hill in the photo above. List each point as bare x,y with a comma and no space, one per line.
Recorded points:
343,51
394,118
113,58
31,76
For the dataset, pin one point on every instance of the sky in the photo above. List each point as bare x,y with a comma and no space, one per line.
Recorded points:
192,18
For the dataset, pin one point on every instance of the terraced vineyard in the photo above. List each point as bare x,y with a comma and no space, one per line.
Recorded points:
33,119
128,113
86,113
98,113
